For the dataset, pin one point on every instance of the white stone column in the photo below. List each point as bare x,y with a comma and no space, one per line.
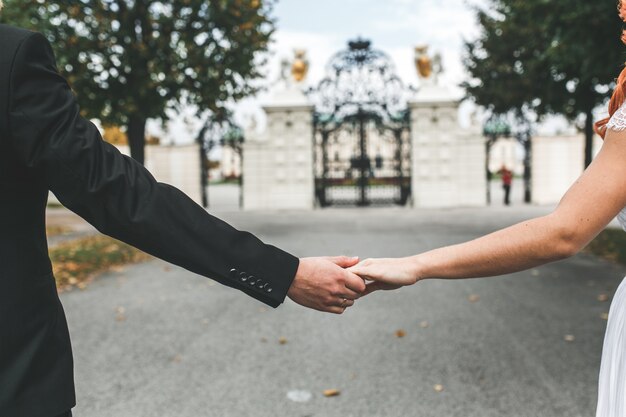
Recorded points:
448,162
278,164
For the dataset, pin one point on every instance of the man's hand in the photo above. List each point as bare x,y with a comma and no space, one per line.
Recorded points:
323,284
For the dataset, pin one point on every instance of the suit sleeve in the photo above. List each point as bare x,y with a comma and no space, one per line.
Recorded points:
119,196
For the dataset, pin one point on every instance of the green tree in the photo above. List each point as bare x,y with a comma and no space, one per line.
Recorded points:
549,57
132,60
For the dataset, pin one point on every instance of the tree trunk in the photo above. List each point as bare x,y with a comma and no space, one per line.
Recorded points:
204,175
528,159
137,137
589,135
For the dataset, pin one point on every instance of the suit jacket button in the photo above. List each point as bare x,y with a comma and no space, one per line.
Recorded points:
233,273
252,280
243,277
268,290
261,284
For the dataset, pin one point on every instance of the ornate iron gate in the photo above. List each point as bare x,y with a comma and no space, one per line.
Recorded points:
361,131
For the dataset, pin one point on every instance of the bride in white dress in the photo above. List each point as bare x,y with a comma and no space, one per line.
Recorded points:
589,205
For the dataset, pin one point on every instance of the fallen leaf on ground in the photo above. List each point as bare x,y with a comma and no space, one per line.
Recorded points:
473,298
400,333
569,338
111,249
534,273
72,266
438,388
119,313
331,392
424,324
282,341
604,316
603,298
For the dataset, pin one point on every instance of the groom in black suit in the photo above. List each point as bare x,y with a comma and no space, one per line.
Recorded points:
46,145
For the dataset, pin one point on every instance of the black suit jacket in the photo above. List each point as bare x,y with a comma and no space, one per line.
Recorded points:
46,145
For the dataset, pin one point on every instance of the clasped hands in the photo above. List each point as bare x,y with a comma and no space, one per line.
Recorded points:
332,284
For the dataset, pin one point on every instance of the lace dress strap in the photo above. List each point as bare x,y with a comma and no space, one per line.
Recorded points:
618,120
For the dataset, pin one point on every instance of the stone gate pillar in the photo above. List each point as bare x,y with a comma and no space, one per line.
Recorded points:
448,162
278,163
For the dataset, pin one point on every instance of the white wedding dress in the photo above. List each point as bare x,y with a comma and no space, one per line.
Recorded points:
612,383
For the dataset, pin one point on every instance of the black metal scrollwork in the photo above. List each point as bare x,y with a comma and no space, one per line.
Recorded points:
362,106
360,79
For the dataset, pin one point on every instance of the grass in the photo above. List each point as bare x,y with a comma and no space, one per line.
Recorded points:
610,245
57,230
75,263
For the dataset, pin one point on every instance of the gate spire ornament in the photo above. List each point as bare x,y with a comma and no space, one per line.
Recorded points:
428,68
300,65
423,63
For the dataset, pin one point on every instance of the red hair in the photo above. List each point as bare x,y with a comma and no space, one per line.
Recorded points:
619,95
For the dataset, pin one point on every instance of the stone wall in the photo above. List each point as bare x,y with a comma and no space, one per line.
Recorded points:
557,162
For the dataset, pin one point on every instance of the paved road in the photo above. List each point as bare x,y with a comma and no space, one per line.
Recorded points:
155,340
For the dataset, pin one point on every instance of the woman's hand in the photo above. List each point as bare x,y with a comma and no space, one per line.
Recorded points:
387,273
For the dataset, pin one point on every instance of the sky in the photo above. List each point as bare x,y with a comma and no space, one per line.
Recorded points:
323,27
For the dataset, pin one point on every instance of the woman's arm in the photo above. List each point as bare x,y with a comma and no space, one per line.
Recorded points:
587,207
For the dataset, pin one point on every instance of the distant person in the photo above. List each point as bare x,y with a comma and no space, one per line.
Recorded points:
46,145
585,210
507,179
